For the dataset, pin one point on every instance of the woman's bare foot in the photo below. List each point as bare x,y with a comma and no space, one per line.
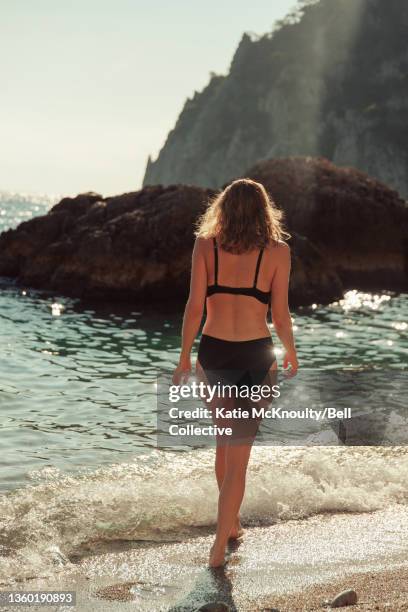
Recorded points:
237,531
217,555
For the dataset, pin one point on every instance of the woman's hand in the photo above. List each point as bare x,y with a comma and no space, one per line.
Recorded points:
182,371
290,358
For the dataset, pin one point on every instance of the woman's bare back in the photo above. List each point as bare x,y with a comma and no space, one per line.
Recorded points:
238,317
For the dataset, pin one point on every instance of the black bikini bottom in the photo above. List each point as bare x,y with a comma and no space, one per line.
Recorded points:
238,369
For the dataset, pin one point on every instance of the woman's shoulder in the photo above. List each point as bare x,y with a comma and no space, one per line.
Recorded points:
278,247
278,254
203,244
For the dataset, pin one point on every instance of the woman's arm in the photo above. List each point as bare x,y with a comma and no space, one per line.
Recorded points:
194,309
281,318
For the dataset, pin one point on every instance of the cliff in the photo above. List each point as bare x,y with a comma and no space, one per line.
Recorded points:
331,82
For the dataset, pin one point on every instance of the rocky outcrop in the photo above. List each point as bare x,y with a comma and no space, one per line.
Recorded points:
330,82
134,247
359,224
313,279
347,231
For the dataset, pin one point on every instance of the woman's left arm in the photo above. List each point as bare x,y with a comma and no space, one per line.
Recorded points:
193,312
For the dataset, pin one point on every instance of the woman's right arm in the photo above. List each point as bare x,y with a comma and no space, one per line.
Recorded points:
281,318
193,312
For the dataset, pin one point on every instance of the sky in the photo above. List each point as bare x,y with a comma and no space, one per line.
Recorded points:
90,88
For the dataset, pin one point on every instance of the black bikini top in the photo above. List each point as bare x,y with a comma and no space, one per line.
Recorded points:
262,296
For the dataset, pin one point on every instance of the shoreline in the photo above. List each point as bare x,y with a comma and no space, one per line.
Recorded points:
292,565
384,591
377,590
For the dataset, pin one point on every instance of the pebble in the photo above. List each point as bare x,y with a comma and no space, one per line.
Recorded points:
215,606
116,592
345,598
57,557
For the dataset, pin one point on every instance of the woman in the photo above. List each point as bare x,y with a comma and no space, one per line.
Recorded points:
240,264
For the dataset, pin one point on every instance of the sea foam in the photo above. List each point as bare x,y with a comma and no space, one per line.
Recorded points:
165,495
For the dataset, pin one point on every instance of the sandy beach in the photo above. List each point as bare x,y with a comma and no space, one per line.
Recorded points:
293,565
383,590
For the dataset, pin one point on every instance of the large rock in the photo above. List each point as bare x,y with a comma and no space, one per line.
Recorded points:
119,247
359,224
313,278
136,246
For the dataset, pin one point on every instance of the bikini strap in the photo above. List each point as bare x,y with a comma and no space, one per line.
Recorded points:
215,262
258,265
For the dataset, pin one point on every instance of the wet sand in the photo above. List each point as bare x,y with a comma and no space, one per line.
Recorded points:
292,565
386,591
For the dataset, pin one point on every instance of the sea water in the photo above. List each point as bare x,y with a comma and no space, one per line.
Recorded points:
79,461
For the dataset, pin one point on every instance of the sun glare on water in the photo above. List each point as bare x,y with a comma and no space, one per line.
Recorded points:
354,300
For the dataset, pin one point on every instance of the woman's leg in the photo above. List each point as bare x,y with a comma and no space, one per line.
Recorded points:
220,458
220,454
220,465
230,498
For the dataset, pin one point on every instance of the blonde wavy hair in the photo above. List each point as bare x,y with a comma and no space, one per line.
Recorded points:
242,217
